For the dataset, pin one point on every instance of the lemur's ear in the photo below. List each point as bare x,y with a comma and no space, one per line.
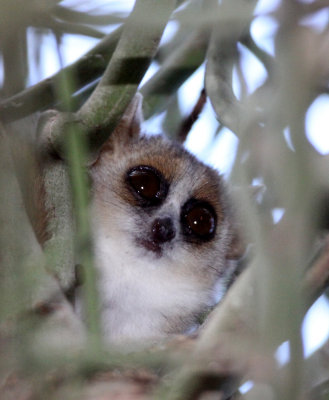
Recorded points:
131,121
128,128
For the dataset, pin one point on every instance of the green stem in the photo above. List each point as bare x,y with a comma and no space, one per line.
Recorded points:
43,95
131,59
174,72
76,154
76,150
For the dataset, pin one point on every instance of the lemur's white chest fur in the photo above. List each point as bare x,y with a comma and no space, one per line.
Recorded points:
162,231
144,297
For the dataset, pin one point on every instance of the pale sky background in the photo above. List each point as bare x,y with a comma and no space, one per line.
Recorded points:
221,153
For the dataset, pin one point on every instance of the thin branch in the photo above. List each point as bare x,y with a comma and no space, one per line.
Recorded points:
14,55
67,14
181,64
176,69
316,371
136,48
60,27
188,122
313,7
69,219
264,57
43,94
76,150
222,55
317,277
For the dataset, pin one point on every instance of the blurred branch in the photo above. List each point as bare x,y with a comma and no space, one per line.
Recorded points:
314,6
77,154
100,114
317,277
20,251
13,47
26,285
59,248
60,27
175,70
69,15
188,122
69,225
284,248
43,94
317,367
180,65
86,363
182,16
208,13
222,55
264,57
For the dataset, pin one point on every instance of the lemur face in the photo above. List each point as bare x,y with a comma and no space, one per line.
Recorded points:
197,218
164,207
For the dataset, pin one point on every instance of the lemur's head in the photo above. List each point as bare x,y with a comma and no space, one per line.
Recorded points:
161,203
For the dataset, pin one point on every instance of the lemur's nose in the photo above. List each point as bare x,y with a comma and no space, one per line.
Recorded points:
163,230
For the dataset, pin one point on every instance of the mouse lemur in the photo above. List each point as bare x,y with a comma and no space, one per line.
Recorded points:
163,233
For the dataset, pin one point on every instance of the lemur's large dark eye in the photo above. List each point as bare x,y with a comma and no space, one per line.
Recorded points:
148,185
198,220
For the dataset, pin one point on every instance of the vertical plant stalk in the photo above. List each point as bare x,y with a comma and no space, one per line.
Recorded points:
76,151
76,155
283,249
